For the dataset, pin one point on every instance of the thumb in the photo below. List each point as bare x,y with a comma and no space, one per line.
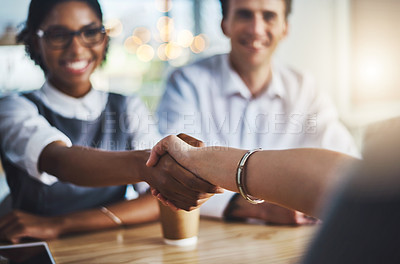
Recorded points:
157,151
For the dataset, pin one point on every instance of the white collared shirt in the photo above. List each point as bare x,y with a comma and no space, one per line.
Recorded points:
210,101
24,133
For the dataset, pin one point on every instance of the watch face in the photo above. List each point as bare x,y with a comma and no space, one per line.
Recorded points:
26,253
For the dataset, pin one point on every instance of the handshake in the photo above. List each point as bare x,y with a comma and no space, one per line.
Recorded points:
196,172
184,189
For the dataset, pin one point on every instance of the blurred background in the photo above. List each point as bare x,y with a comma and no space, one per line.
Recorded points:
350,46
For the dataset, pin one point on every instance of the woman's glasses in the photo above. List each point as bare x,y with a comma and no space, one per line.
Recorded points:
61,38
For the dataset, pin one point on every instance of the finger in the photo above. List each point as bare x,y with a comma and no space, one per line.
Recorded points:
13,232
154,192
174,178
279,215
303,219
187,204
191,140
202,201
166,202
41,230
188,179
6,220
162,199
176,200
182,196
171,144
190,202
153,158
157,151
300,219
192,182
187,207
172,205
16,240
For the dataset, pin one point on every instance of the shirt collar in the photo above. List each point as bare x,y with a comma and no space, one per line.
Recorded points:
233,84
89,106
276,86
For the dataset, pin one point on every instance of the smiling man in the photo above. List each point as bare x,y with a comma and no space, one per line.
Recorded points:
246,100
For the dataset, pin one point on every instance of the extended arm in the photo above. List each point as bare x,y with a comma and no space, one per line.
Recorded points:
299,179
93,167
101,168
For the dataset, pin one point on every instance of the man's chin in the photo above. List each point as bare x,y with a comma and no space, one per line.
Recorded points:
255,62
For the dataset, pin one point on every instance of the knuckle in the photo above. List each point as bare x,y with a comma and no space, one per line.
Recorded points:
168,167
185,206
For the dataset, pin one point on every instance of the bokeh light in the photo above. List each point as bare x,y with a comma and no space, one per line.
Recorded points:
165,26
131,44
163,5
145,53
143,34
199,43
164,21
161,52
173,50
185,38
113,27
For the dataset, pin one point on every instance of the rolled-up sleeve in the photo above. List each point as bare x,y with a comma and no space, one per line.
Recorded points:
24,133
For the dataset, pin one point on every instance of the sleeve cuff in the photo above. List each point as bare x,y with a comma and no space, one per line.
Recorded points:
35,147
215,206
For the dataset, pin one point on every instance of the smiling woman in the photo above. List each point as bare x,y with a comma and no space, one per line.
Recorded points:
71,43
59,140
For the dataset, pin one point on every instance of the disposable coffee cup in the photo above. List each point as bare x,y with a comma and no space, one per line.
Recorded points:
179,228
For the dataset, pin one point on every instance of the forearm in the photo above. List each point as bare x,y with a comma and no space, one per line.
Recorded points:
138,211
298,178
93,167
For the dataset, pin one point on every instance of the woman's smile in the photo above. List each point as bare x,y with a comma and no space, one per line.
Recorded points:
76,66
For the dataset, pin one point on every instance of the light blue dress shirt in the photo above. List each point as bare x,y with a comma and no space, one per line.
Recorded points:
209,101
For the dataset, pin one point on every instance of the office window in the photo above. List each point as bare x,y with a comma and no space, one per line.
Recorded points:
375,56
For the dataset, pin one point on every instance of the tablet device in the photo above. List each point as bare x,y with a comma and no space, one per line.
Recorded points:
37,252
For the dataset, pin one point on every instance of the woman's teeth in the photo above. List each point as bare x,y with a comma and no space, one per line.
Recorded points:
77,65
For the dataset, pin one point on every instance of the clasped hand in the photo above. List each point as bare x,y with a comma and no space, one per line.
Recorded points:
189,192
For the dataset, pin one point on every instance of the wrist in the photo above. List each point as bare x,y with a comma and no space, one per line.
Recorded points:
192,159
60,224
136,163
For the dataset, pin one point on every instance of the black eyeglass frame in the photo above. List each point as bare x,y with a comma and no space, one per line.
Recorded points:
43,34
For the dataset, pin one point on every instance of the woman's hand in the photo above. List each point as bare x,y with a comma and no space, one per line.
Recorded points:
18,225
186,191
174,146
181,188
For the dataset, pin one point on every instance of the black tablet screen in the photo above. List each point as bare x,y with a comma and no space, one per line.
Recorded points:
29,253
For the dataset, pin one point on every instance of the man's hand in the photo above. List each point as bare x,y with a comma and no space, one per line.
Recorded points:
267,212
18,225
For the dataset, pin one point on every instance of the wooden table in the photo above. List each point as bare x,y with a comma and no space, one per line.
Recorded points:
219,242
